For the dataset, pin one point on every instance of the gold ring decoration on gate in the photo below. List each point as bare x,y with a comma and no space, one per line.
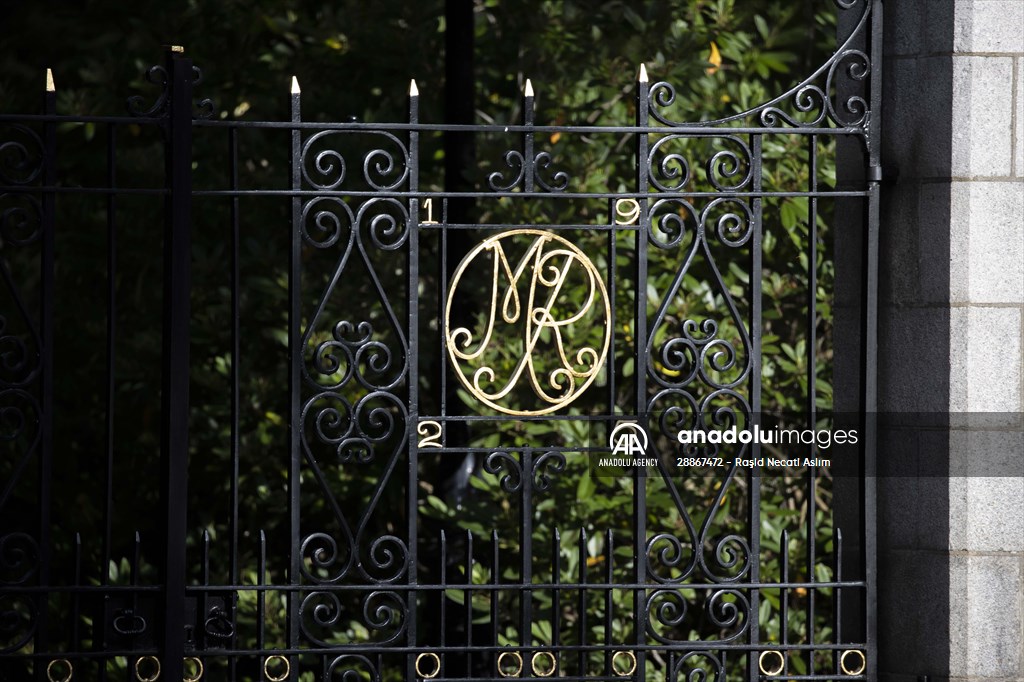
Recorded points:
860,668
551,660
629,656
279,677
198,666
771,672
519,663
153,662
437,665
545,303
68,672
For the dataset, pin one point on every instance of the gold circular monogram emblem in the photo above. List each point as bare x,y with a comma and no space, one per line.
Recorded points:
542,325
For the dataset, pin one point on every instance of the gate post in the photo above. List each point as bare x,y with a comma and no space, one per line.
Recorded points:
175,357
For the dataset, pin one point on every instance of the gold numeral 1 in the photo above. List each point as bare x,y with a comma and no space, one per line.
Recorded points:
429,205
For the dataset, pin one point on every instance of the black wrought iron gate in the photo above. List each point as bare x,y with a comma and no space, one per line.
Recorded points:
444,483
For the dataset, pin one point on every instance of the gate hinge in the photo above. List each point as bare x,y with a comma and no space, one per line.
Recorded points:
883,174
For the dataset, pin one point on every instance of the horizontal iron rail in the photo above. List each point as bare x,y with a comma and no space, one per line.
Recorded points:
684,131
693,646
424,587
59,189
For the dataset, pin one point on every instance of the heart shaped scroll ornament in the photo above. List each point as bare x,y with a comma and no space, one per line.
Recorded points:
541,336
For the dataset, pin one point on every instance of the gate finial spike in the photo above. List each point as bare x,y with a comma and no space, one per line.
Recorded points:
413,90
295,86
643,73
528,90
49,81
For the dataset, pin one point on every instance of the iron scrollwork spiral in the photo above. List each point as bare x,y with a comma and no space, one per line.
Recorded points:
354,351
729,169
545,468
669,620
382,612
376,420
136,104
352,668
19,563
814,102
697,666
512,480
519,167
158,76
21,155
384,168
698,364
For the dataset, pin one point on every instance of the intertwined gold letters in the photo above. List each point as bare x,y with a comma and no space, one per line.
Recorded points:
549,320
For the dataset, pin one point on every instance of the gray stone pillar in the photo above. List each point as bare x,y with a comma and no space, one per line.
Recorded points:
951,524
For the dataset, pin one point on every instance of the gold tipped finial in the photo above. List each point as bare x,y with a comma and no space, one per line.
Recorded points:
643,73
295,86
49,81
175,48
528,90
413,90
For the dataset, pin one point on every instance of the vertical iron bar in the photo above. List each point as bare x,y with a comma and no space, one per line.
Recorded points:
754,512
235,360
412,359
49,207
870,416
528,137
526,551
640,482
175,399
203,602
442,295
784,600
612,269
235,322
609,602
467,605
76,599
294,378
495,579
812,366
108,510
442,594
556,611
871,345
136,562
261,595
581,616
837,597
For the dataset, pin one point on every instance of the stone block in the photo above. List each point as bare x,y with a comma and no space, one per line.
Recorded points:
991,267
982,113
993,359
995,513
988,26
985,616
